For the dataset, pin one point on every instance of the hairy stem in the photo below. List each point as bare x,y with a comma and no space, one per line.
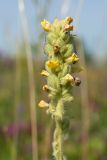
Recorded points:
58,133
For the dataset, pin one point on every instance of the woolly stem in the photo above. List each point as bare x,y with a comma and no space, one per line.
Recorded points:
58,133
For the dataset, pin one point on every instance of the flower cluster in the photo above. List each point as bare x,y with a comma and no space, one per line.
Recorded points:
61,63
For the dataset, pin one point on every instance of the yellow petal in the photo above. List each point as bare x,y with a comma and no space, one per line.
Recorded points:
53,64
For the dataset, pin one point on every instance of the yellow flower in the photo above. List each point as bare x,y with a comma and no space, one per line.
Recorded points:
43,104
46,25
68,20
53,64
72,59
44,73
68,28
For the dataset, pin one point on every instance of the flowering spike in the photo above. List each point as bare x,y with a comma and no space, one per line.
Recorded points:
59,66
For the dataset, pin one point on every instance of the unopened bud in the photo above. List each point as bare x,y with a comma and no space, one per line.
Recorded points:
45,88
68,28
56,49
68,20
72,59
43,104
68,79
44,73
46,25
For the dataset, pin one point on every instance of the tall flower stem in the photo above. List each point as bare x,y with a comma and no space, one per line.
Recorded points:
57,144
58,138
59,67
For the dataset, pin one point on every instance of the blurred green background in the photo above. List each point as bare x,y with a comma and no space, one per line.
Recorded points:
25,130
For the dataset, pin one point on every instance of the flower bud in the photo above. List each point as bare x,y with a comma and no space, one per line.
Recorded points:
68,20
44,73
46,25
68,79
68,28
45,88
72,59
43,104
56,49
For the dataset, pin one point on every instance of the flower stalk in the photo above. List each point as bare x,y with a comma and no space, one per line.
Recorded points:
61,63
